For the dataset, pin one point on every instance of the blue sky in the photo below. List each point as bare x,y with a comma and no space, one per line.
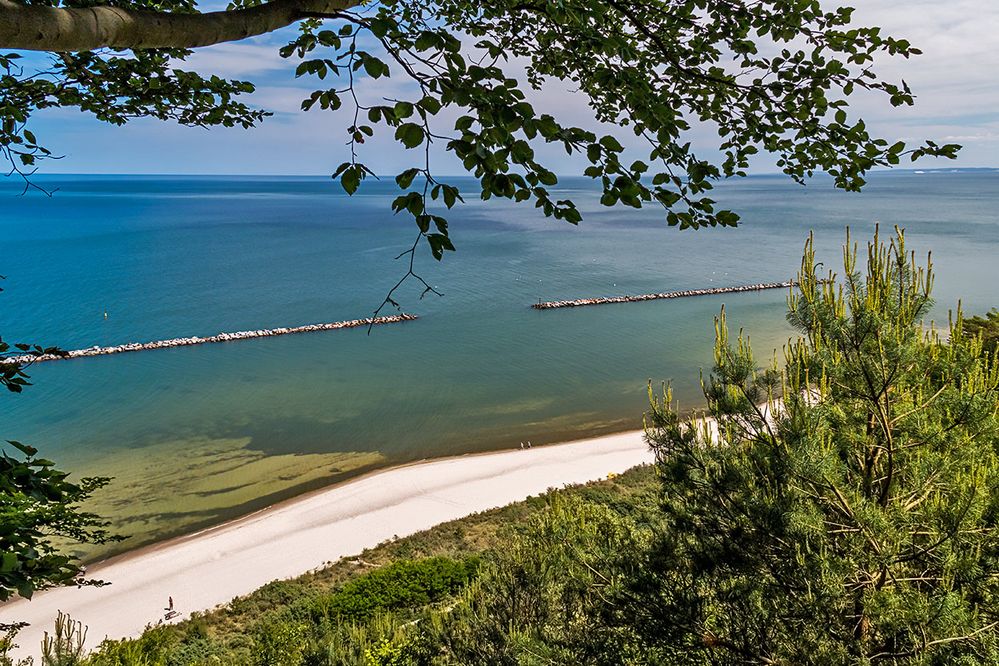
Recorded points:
955,81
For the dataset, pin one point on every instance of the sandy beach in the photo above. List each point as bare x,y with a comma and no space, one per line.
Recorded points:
202,570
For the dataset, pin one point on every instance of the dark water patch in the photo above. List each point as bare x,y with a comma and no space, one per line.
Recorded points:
219,491
290,435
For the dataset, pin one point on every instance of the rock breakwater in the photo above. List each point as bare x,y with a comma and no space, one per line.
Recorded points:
550,305
221,337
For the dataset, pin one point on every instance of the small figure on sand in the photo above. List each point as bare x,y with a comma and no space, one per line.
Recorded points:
521,446
170,612
528,444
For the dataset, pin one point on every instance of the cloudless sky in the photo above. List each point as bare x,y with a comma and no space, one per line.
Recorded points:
955,81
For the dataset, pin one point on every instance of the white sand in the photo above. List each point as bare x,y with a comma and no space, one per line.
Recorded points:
212,567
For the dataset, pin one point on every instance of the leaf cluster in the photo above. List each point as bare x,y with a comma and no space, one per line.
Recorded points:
773,76
114,88
986,327
38,504
770,76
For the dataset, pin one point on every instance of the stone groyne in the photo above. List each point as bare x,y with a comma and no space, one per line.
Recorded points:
221,337
550,305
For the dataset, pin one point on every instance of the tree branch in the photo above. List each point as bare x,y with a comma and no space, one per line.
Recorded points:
59,29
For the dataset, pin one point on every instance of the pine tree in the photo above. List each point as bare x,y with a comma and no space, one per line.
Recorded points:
844,509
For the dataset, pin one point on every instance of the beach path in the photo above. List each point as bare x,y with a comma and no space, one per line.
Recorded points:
211,567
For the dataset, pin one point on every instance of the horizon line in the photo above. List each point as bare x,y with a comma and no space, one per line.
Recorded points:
465,175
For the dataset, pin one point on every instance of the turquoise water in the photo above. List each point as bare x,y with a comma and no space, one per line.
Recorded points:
198,434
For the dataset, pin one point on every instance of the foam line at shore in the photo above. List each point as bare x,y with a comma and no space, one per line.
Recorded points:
221,337
212,567
551,305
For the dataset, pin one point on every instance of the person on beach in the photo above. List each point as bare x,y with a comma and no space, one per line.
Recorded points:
170,603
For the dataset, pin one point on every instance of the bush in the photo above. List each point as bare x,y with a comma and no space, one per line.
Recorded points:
987,327
405,584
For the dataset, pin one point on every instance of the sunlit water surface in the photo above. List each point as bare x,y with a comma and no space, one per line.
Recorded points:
196,435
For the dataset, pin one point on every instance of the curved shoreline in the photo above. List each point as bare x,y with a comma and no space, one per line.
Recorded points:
221,337
551,305
211,567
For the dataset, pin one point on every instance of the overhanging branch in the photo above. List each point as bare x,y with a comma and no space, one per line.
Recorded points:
58,29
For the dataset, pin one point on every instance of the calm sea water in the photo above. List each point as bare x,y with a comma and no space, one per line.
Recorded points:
196,435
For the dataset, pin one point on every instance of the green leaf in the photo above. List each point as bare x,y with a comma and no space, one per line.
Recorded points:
374,67
439,243
351,179
430,105
403,110
405,179
450,196
611,144
410,134
8,562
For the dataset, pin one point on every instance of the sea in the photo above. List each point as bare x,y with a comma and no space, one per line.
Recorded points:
193,436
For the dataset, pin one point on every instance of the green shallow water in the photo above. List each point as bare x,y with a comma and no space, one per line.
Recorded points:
197,435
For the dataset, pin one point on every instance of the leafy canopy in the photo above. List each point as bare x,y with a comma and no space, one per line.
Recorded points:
773,75
986,326
39,507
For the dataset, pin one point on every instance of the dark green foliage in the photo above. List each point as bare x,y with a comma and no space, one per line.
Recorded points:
653,68
405,584
280,644
38,503
774,76
293,625
846,512
360,614
113,88
987,327
545,599
423,579
12,363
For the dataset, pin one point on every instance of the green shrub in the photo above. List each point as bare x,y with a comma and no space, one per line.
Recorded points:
273,595
279,644
987,327
8,634
405,584
150,649
198,652
64,646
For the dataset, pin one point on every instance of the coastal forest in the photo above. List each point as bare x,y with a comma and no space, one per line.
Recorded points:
834,503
